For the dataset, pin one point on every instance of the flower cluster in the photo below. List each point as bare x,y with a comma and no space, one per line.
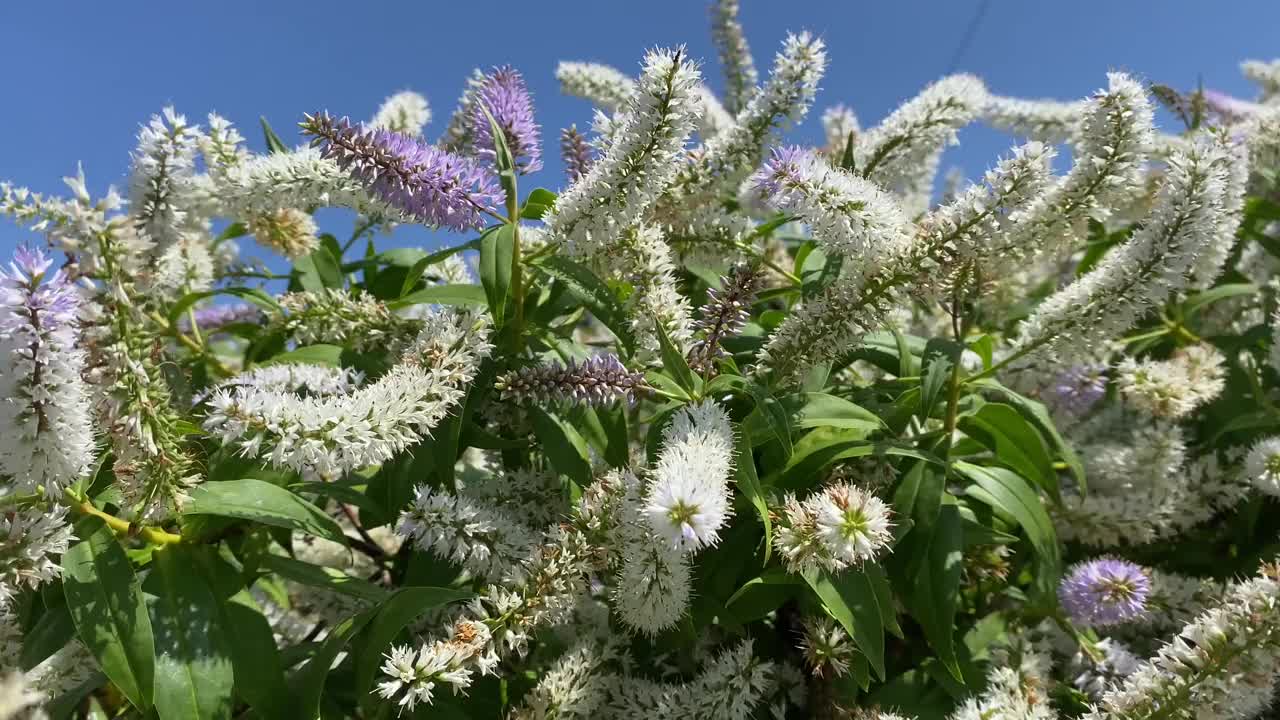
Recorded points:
725,426
598,380
835,528
422,181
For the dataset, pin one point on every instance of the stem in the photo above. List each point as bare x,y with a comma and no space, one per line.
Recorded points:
759,255
517,271
953,407
152,535
355,235
190,344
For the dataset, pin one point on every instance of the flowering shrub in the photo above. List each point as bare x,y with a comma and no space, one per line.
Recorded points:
725,428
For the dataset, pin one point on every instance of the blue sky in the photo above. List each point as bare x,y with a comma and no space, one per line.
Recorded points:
81,76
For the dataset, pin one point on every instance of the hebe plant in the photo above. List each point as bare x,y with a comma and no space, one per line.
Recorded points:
723,429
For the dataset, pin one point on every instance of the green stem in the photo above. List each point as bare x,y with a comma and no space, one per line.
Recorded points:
124,528
759,255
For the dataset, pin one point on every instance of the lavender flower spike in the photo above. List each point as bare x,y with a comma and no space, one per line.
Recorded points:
504,94
599,380
575,152
433,185
1104,591
215,317
725,314
1077,389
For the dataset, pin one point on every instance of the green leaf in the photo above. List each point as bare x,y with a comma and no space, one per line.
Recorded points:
193,670
761,595
940,357
274,143
412,277
1222,292
319,270
594,294
749,484
884,597
541,196
453,294
351,495
393,615
256,663
327,355
1015,443
496,248
674,362
107,606
906,361
935,592
323,577
51,633
1039,415
259,672
773,412
503,159
563,445
309,681
816,409
252,295
852,600
264,503
824,446
1014,496
985,347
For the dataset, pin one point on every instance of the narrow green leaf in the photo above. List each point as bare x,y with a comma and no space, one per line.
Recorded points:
774,414
594,294
274,143
940,356
107,606
851,599
327,355
259,671
1222,292
1015,443
252,295
817,409
563,444
50,634
1038,414
884,597
319,270
824,446
906,362
310,679
264,503
323,577
761,595
393,615
936,591
453,294
749,484
674,361
496,248
193,671
1017,498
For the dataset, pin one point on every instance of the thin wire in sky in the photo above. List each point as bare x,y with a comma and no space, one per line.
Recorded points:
969,34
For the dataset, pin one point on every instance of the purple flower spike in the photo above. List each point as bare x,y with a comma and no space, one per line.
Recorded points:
214,318
1104,591
787,166
576,153
1229,108
49,305
599,380
504,95
1077,389
423,181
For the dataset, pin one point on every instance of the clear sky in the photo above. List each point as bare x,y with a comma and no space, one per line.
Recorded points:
81,76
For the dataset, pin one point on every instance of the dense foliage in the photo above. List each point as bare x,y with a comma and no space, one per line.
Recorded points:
725,428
